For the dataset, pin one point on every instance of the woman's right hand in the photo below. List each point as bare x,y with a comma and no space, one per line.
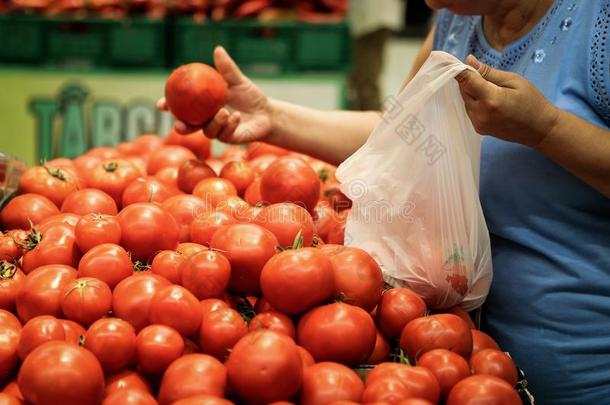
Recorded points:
248,117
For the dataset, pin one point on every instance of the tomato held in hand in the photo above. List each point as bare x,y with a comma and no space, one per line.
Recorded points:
496,363
26,209
294,281
176,307
483,389
398,307
112,177
132,296
11,279
448,367
52,182
168,156
147,189
9,343
113,342
275,321
326,382
107,262
147,229
286,221
481,340
419,380
54,243
220,331
191,375
86,300
88,201
261,359
338,332
196,141
240,174
206,274
37,331
184,209
61,373
191,173
157,346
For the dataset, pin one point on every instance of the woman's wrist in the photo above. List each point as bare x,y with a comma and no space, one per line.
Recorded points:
273,110
548,124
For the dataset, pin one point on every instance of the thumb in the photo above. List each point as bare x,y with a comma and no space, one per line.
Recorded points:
490,74
227,67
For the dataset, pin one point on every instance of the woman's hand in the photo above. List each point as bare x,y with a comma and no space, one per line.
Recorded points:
505,105
250,117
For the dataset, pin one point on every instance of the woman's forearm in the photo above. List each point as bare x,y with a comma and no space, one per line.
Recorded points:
331,136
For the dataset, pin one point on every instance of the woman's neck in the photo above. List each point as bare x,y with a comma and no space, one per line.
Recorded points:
513,21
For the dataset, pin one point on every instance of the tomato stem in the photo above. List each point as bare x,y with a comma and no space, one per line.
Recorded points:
7,270
110,166
56,172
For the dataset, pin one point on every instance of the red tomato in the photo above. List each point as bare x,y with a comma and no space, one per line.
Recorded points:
130,396
448,368
85,164
203,400
53,244
167,264
95,229
39,330
147,189
147,229
220,330
12,389
157,346
290,179
414,401
139,162
86,300
326,382
191,375
306,357
261,359
184,209
358,277
175,306
132,297
113,177
337,234
89,200
10,249
74,331
9,343
103,152
146,144
107,262
6,399
168,176
192,172
52,182
235,207
496,363
61,373
381,352
398,307
213,190
190,347
325,219
481,340
285,221
238,173
126,379
483,389
190,248
337,199
65,218
197,142
462,314
11,279
41,292
211,305
113,342
256,149
24,208
274,321
206,274
386,390
294,281
169,156
338,332
442,331
233,153
419,380
10,320
215,164
205,226
248,247
253,193
262,162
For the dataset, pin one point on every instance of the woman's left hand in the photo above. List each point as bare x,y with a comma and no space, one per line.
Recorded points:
505,105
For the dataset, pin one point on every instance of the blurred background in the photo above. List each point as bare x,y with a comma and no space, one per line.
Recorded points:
78,74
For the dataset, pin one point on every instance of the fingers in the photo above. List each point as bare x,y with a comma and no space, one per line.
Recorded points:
184,129
490,74
162,104
227,133
227,67
215,126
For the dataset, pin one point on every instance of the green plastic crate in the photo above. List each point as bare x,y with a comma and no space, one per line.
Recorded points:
77,41
22,39
261,48
323,47
195,42
138,42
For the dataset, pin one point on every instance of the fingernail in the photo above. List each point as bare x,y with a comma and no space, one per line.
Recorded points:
474,62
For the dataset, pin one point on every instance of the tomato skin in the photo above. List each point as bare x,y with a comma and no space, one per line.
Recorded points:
220,331
325,219
414,401
167,264
9,248
294,281
147,229
9,343
256,149
448,368
261,359
63,218
211,305
233,153
192,172
74,331
205,226
168,156
238,173
55,244
157,346
147,189
146,144
61,373
203,400
8,319
483,389
24,208
39,330
168,176
52,182
262,305
306,357
381,352
176,307
252,194
89,200
496,363
196,141
248,247
130,396
187,249
206,274
285,221
326,382
12,389
125,379
213,190
113,342
107,262
95,229
481,340
191,375
11,279
385,390
419,380
86,300
398,307
132,296
184,209
6,399
290,179
358,277
337,332
112,177
442,331
274,321
103,152
41,292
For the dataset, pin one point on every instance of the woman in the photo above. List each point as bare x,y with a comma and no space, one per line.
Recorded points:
542,97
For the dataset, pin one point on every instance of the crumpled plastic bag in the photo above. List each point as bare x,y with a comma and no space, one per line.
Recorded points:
414,188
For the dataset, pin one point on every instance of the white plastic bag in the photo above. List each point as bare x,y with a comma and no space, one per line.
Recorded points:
414,187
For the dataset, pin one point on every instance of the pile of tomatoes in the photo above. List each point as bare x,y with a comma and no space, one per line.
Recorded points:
153,273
